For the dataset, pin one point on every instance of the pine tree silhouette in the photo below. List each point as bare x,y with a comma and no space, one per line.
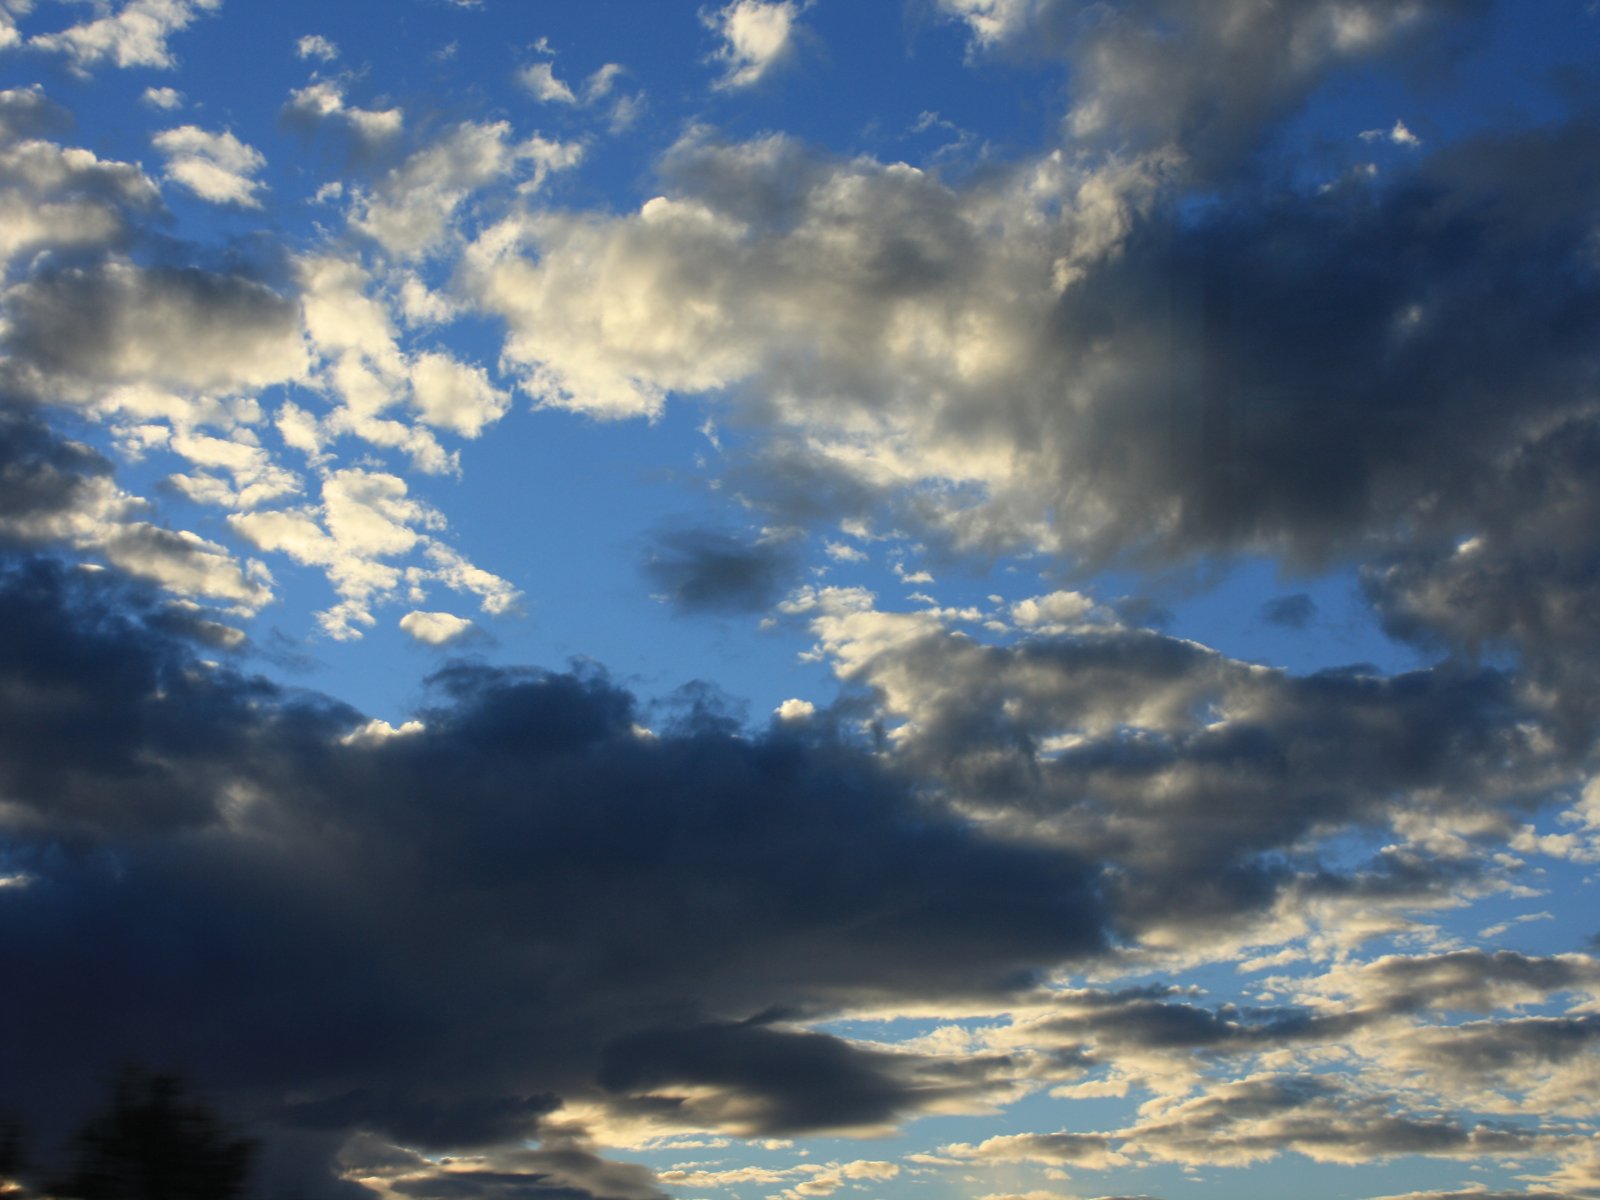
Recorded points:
156,1143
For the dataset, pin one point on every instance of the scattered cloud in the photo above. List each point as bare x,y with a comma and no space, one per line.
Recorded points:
435,628
214,166
166,99
1398,134
540,79
134,35
706,570
314,45
757,36
1292,612
324,101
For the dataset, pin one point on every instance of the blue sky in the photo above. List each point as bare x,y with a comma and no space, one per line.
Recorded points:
978,598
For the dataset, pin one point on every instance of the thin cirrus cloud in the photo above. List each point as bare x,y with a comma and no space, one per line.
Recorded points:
1007,880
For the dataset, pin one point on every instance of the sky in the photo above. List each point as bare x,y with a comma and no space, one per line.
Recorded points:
971,599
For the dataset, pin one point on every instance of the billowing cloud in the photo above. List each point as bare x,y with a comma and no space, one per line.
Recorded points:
452,395
1202,777
814,879
974,357
118,336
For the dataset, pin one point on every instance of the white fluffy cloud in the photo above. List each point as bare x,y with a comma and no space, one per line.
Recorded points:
214,166
756,36
452,395
435,628
164,98
135,35
540,79
324,100
59,197
360,533
410,212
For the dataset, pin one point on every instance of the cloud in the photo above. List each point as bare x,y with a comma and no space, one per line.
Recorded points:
806,1179
452,395
721,876
1399,135
1292,612
1257,1119
520,918
314,45
937,327
704,570
540,79
323,102
27,112
757,35
214,166
120,337
135,35
62,199
409,213
1201,776
166,99
435,628
57,493
360,533
1204,84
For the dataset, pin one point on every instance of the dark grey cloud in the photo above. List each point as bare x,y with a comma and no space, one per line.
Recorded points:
560,1171
1140,1020
1210,82
1517,573
768,1080
28,112
1292,612
529,901
1312,373
44,478
109,722
77,332
1261,1117
712,571
1337,371
1490,1051
1209,782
